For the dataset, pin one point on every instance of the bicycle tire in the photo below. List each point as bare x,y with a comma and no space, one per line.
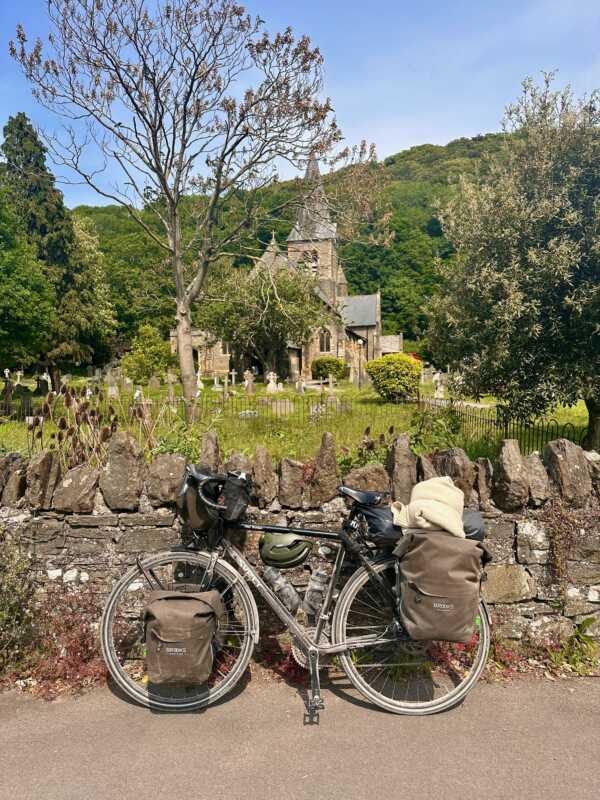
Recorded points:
222,570
339,630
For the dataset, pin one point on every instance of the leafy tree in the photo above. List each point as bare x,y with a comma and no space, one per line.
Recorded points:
26,296
83,320
194,102
150,355
519,306
259,311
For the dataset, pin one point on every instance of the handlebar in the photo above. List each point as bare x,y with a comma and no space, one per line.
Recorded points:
204,498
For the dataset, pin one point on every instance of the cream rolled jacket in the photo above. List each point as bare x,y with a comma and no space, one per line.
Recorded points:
436,504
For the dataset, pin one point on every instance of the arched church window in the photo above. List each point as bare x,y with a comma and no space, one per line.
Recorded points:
325,341
311,259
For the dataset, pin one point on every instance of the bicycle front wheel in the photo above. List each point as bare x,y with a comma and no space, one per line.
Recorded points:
404,677
122,629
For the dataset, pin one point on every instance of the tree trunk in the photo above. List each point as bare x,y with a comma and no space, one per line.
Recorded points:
592,439
185,351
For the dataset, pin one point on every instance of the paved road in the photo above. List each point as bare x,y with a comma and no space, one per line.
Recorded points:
528,741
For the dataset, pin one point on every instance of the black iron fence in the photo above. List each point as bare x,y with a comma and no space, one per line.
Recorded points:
492,423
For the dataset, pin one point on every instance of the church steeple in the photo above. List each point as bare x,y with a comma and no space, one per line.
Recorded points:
313,222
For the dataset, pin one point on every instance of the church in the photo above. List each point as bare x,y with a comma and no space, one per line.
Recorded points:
354,335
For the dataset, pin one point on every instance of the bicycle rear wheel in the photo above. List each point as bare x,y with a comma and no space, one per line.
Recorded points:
404,677
122,629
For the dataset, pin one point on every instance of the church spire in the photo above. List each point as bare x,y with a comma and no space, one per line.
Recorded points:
314,217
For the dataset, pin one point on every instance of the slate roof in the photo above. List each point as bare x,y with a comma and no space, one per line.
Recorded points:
314,218
359,311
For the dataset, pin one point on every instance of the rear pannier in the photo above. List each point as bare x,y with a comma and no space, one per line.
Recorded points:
441,576
181,630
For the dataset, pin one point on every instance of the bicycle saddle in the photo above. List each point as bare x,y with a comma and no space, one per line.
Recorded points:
364,498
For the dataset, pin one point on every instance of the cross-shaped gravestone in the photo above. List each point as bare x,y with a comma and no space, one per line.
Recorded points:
233,375
19,374
272,383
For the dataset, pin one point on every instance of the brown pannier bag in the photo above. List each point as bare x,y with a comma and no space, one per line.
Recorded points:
441,576
180,631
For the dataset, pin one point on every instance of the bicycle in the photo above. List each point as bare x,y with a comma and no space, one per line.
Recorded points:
358,624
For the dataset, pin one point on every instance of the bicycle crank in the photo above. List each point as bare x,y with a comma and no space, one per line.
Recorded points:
301,657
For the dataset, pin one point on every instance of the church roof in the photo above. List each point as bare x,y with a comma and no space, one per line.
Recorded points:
273,259
314,217
359,310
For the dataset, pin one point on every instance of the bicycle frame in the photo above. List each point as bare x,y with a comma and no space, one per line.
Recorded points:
300,633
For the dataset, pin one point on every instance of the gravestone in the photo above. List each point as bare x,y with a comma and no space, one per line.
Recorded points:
154,383
111,382
233,375
300,386
42,386
438,382
127,384
249,382
330,388
19,375
216,387
272,387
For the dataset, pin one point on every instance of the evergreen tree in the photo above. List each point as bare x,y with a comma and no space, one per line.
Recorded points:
83,321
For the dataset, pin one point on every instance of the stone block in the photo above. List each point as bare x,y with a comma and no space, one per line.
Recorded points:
402,468
93,521
586,546
500,539
545,631
539,485
533,545
9,464
484,473
425,468
163,479
455,463
146,540
122,479
568,469
291,483
43,475
210,452
76,491
370,478
264,478
326,476
511,480
152,520
508,583
238,462
14,490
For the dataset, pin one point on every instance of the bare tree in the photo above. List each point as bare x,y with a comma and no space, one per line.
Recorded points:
195,104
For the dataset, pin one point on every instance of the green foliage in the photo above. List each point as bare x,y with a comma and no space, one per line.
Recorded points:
259,311
370,450
395,376
579,651
520,301
433,430
26,296
324,366
83,321
17,591
150,355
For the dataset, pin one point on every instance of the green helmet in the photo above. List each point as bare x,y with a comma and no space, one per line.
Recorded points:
283,550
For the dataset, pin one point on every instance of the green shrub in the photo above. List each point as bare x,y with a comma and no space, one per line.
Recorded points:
395,376
150,355
17,591
434,430
330,365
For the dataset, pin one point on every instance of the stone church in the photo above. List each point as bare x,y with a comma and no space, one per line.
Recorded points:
354,335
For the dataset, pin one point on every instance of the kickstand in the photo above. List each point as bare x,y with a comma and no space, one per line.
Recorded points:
314,703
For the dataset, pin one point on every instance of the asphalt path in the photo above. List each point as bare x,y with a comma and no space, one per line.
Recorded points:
529,739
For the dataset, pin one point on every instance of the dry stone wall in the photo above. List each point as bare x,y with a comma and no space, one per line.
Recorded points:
87,525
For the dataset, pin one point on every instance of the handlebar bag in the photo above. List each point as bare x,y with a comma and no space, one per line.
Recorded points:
180,633
441,576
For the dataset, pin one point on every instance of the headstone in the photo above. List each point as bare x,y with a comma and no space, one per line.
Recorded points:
330,388
42,386
300,386
127,384
249,382
438,382
216,387
154,383
6,374
113,389
280,387
233,375
90,371
98,374
272,383
19,375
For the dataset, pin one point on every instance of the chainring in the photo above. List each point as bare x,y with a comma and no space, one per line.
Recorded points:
301,658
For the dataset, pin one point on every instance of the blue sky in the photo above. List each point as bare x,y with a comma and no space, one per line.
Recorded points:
399,73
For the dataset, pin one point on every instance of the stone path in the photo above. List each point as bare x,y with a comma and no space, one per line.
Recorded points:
531,740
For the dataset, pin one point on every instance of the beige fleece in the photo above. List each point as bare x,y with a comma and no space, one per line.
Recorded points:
436,503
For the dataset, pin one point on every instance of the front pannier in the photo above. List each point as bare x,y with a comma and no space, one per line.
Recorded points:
441,576
180,632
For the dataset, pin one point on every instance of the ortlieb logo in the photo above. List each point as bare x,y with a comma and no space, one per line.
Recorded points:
442,605
176,651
